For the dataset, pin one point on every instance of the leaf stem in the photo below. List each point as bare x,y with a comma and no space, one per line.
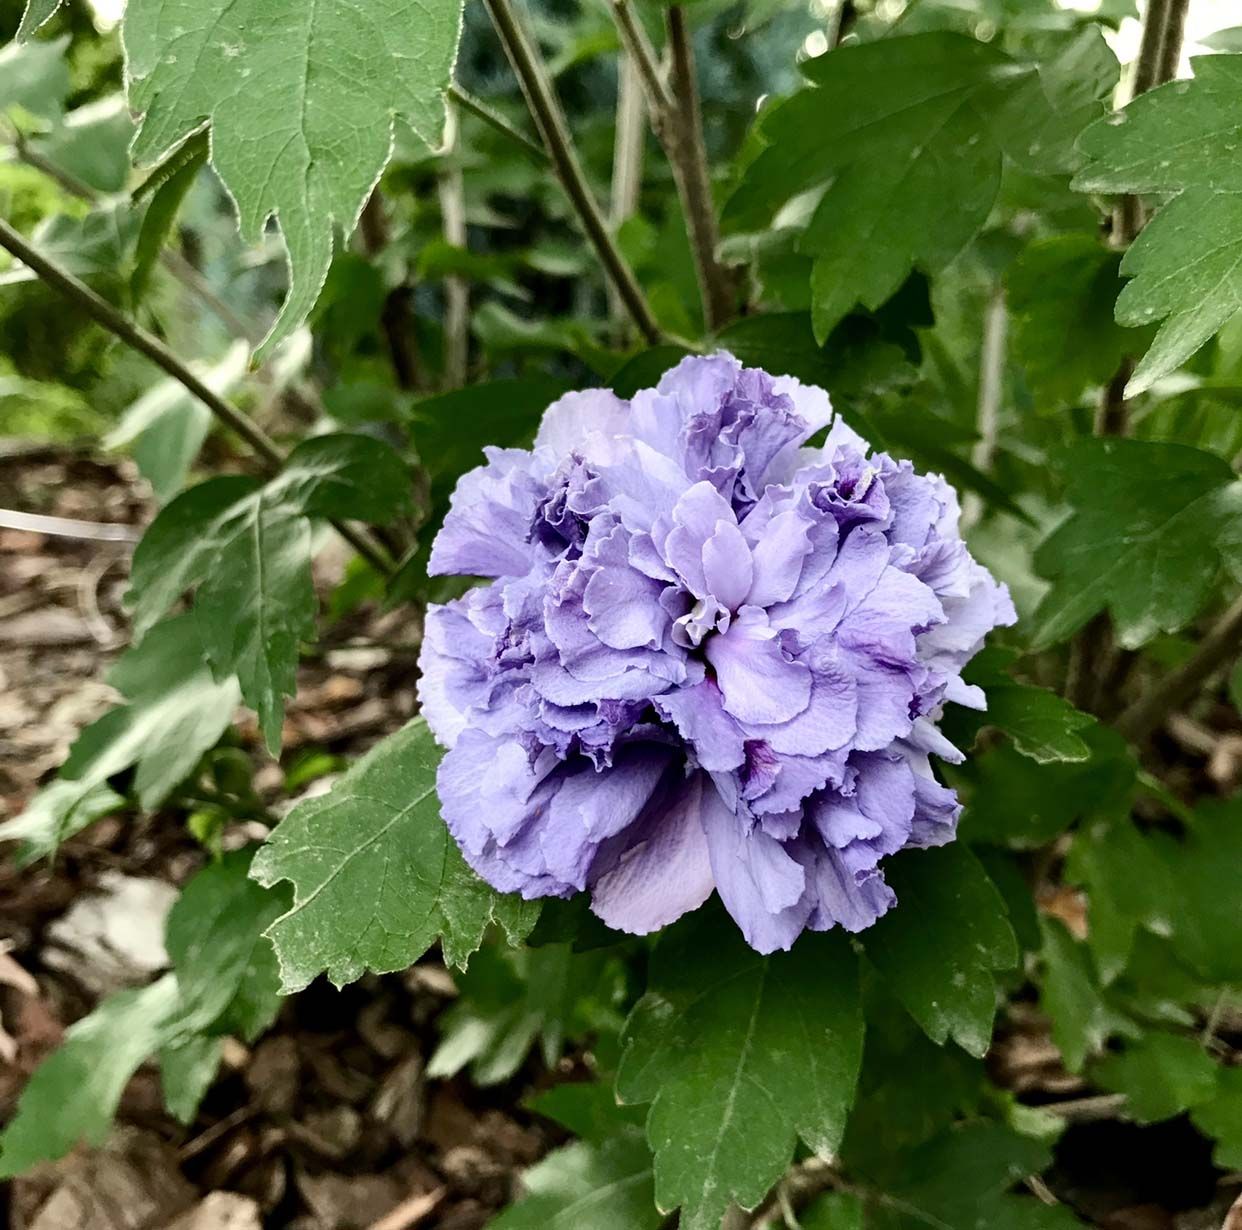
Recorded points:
1216,650
553,127
490,116
147,344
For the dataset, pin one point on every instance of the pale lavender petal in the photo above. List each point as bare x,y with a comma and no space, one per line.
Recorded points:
758,682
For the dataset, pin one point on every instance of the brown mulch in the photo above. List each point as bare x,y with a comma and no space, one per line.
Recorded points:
328,1122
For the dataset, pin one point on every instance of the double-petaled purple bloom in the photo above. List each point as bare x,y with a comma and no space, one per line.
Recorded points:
709,657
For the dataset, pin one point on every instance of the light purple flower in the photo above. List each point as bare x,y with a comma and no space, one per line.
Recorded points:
709,658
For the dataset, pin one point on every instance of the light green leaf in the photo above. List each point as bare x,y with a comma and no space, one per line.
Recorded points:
301,99
939,946
226,968
740,1054
1178,141
837,1211
604,1186
93,144
35,77
1161,1075
96,245
376,876
186,1072
74,1093
167,187
174,712
166,426
1221,1118
248,550
1151,528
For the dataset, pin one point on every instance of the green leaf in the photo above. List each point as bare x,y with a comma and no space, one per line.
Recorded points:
35,77
962,1180
248,550
1152,525
1178,142
186,1072
74,1093
1041,119
1082,1018
92,144
173,713
939,946
1061,292
890,122
1161,1075
92,246
837,1211
606,1186
226,968
36,14
740,1055
165,428
311,143
376,876
1221,1118
168,187
1016,801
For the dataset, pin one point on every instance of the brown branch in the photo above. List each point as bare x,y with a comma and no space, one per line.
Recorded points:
677,120
1215,651
549,118
147,344
452,195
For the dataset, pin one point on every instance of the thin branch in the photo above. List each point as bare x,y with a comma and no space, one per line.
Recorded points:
677,120
136,337
638,47
627,165
1218,648
1096,668
991,387
452,194
693,177
550,119
490,116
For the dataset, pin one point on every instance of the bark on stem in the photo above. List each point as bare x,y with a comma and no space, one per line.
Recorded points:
677,120
456,291
549,118
627,165
147,344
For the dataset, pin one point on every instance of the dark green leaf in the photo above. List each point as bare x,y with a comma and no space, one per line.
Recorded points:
1161,1075
740,1055
187,1070
161,215
1151,528
939,946
1221,1118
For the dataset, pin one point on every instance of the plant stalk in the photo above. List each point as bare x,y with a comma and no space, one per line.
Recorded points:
1093,657
147,344
456,291
677,120
545,108
1215,651
477,107
627,165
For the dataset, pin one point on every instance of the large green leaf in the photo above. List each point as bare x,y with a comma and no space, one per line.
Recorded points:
740,1055
606,1186
75,1091
1179,142
226,968
35,77
1152,526
174,711
302,100
247,547
939,946
376,877
1161,1074
37,13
